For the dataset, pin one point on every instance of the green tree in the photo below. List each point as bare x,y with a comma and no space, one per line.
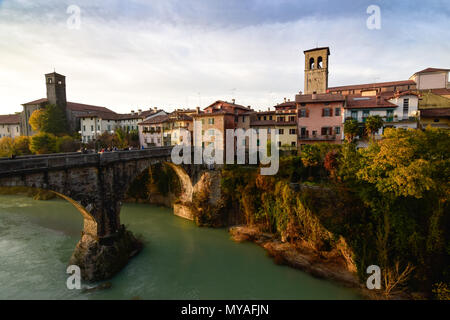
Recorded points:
373,124
50,119
351,129
43,143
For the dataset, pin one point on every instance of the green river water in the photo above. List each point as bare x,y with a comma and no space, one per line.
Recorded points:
179,261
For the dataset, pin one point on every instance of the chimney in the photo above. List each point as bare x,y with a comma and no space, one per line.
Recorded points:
132,111
284,99
139,111
197,110
300,92
289,100
314,96
268,108
155,109
234,100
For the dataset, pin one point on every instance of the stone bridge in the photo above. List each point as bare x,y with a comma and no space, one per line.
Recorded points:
96,185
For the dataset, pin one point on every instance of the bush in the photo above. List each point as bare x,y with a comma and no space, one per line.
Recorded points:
67,144
22,146
43,143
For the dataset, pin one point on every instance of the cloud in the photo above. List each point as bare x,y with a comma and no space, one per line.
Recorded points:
185,53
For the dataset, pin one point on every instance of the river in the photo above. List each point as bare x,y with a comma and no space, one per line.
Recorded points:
179,261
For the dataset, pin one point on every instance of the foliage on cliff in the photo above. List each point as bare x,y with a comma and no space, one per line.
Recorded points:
157,179
389,202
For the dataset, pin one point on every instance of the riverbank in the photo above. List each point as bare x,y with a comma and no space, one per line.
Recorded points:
325,265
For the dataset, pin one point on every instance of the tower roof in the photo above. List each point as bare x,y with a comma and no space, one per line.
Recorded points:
317,49
55,74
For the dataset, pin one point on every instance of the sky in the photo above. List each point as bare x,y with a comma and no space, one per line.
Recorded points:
137,54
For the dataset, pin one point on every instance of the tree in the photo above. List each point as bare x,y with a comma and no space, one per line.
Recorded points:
43,143
50,119
22,145
373,124
6,147
351,129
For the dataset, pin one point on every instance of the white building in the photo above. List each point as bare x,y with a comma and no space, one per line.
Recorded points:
93,124
399,110
10,125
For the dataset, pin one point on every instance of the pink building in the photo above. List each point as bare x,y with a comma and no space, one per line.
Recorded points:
320,118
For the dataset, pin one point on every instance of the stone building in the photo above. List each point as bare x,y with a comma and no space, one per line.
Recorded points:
10,125
316,70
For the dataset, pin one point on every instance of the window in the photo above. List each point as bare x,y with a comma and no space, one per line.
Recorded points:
280,119
211,132
268,130
389,115
292,131
265,118
337,112
259,118
84,128
337,130
366,113
325,131
279,143
203,121
405,107
314,133
293,143
326,112
210,120
311,63
280,131
270,117
109,127
236,119
319,63
355,115
98,127
292,118
92,128
303,113
257,142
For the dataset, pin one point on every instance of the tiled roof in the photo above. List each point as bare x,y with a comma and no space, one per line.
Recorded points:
437,112
38,101
158,119
440,92
319,97
427,70
10,119
356,102
230,104
373,85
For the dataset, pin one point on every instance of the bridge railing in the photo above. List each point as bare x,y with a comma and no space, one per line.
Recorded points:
66,160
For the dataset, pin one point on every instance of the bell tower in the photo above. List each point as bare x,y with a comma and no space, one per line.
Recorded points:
316,70
56,89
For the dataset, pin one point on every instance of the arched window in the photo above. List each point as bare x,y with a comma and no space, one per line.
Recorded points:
319,63
311,63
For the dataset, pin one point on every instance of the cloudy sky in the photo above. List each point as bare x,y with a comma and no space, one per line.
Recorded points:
175,54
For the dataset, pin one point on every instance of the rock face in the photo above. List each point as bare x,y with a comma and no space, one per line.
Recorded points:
102,259
296,256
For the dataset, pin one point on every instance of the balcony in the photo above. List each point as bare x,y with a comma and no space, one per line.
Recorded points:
307,137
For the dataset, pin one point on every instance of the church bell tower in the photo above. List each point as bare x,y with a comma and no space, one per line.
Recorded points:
316,70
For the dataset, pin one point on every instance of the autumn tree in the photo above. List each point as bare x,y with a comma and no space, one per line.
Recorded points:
6,147
50,119
22,145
